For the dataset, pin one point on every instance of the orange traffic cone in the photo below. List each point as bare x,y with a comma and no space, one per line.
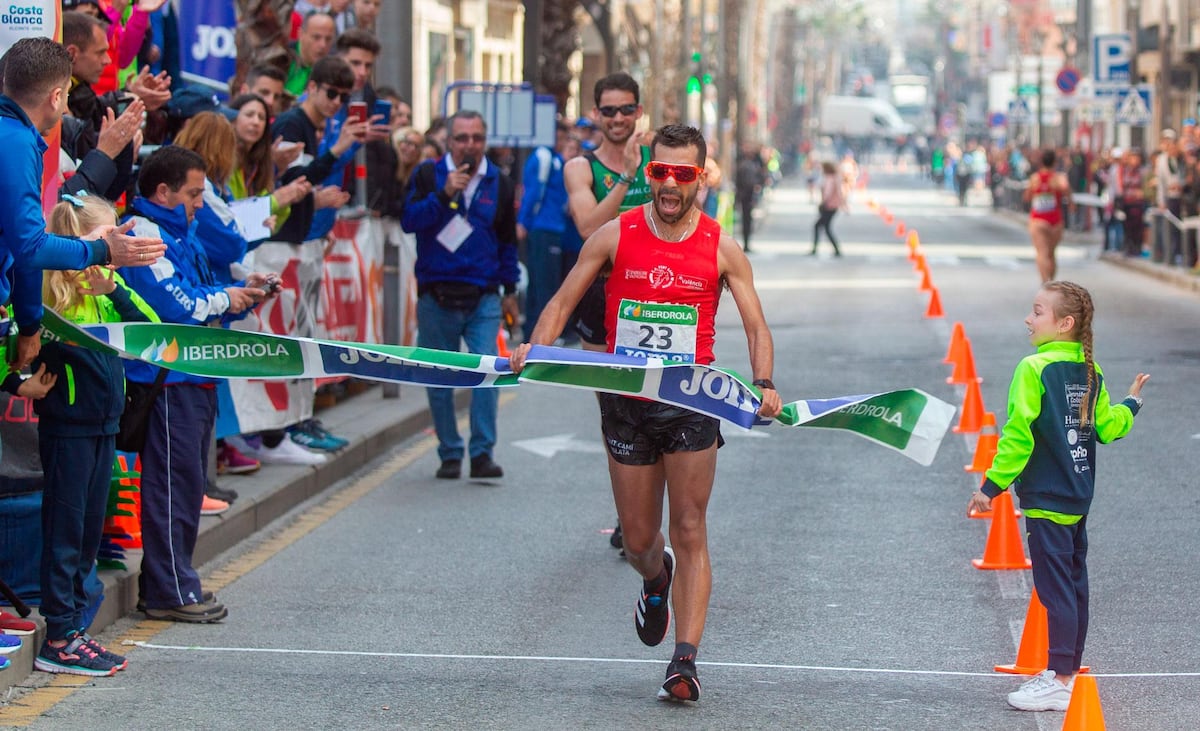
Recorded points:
888,218
935,304
957,335
985,447
502,343
971,418
919,264
913,239
1084,712
926,280
900,230
964,367
1003,549
1033,655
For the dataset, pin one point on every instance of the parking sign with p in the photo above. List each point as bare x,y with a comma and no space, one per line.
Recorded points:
1110,58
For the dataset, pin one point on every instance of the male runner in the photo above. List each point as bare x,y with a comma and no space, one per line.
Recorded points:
666,251
602,184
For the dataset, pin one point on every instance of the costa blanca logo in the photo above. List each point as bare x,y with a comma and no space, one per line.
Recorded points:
163,352
662,276
18,16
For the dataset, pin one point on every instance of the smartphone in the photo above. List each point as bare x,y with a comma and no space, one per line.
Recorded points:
123,104
357,112
383,107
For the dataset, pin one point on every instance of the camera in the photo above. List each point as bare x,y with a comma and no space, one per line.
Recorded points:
272,286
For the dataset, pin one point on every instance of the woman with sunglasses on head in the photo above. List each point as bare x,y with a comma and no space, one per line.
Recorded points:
666,257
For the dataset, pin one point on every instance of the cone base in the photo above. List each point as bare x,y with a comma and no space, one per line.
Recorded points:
1015,669
979,563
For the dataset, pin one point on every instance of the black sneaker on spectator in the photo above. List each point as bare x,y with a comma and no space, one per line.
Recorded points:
483,466
451,469
118,661
73,658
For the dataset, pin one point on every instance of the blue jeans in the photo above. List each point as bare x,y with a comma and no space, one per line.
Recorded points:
544,257
445,330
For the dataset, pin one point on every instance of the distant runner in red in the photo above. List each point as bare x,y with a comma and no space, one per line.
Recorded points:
1045,195
670,263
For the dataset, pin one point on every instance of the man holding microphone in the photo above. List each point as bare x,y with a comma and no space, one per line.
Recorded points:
461,209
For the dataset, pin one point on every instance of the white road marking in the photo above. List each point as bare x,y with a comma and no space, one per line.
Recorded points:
617,660
552,445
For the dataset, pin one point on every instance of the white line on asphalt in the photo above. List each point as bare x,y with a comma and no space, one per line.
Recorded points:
617,660
847,283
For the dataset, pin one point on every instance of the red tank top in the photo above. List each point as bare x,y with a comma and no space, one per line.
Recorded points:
662,296
1046,203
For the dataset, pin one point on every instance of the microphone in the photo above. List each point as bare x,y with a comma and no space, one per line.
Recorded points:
467,165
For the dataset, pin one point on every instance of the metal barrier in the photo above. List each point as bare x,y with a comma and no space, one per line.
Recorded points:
1173,241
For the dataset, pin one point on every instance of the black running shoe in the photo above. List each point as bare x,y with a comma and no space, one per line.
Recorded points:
681,683
616,540
652,615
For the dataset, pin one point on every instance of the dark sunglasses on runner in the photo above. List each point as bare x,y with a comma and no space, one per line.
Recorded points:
610,110
681,173
332,93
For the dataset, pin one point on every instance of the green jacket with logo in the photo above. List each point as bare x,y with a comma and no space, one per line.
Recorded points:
1043,449
89,396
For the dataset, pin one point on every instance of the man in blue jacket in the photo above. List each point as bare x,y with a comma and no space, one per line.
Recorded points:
461,209
544,222
36,76
180,288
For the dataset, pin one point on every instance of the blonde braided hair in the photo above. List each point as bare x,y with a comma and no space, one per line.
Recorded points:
1075,301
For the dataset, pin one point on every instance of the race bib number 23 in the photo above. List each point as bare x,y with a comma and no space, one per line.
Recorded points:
652,330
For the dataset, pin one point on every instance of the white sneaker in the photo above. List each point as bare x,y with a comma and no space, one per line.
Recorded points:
1042,692
288,452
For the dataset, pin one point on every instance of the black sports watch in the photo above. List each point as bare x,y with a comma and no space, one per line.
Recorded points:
764,383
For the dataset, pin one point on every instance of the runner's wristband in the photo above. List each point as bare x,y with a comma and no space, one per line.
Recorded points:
764,383
626,179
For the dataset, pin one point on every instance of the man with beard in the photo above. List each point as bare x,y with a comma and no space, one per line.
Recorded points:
666,252
602,184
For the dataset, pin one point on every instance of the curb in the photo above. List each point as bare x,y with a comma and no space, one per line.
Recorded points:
1175,276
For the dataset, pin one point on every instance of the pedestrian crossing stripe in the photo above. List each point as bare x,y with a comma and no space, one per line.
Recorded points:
1133,109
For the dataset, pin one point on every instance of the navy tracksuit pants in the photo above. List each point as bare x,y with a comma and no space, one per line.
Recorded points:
174,475
78,471
1059,557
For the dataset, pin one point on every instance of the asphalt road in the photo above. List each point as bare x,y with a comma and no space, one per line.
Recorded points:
844,597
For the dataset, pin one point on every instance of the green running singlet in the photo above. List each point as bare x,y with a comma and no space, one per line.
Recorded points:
604,180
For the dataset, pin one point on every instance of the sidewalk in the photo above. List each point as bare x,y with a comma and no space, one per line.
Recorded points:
373,425
1180,277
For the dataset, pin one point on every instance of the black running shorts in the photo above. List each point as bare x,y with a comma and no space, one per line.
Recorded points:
588,317
638,432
